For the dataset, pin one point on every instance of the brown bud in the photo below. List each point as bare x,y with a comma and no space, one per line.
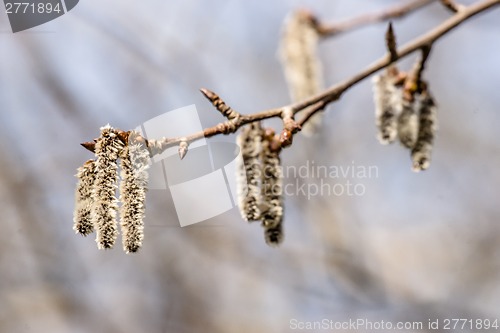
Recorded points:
286,138
183,149
90,146
390,39
123,136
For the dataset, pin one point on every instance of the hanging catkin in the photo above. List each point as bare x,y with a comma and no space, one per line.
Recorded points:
133,186
408,121
421,152
107,150
300,61
272,193
388,99
249,171
82,217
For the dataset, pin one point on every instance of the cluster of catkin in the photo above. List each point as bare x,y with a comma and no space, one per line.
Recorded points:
260,180
96,204
405,110
300,61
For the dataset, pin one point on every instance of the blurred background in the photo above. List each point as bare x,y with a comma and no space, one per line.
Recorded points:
413,247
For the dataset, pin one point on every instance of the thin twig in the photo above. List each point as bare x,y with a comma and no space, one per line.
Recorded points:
320,101
310,111
426,50
397,11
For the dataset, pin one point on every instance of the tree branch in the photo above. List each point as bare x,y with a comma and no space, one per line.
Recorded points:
397,11
426,40
320,101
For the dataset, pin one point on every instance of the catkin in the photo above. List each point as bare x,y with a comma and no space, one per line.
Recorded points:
408,122
274,235
249,170
421,152
300,61
133,186
107,150
388,100
272,194
82,217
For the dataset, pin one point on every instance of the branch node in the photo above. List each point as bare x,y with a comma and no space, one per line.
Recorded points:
310,111
452,6
290,127
227,127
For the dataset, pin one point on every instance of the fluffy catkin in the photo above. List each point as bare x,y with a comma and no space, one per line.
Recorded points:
300,61
134,180
421,152
272,194
408,122
107,150
249,171
388,99
82,217
274,235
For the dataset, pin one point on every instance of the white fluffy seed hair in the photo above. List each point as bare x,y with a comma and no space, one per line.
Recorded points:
298,53
82,218
248,171
408,122
421,152
272,195
107,150
388,104
134,163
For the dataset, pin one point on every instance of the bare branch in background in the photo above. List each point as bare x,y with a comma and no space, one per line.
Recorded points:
397,11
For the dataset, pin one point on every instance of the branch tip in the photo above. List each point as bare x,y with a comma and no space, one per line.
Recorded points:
90,146
183,149
210,95
220,105
390,39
